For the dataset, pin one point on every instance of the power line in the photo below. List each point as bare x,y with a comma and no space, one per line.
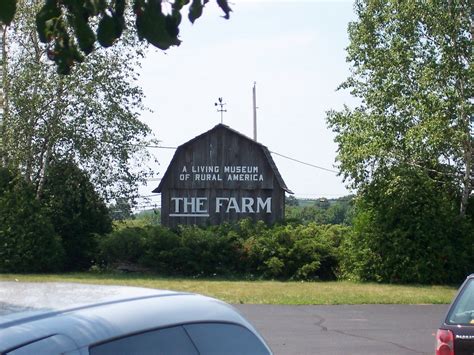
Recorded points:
311,196
146,196
302,162
160,147
281,155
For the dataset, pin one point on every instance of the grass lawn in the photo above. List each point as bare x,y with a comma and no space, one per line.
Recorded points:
266,292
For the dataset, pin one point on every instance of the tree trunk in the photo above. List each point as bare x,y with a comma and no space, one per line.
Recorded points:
50,141
32,120
467,180
3,95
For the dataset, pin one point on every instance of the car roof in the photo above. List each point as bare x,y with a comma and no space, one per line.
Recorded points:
91,313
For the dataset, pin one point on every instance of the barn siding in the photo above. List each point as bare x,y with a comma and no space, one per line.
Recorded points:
220,147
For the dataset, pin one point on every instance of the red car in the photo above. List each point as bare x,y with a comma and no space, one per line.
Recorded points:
456,334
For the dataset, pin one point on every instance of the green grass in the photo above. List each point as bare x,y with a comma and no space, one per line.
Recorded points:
266,292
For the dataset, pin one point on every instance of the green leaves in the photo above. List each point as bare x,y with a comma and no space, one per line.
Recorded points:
67,26
110,29
53,26
85,36
46,20
7,11
157,28
225,7
92,114
195,10
406,230
410,69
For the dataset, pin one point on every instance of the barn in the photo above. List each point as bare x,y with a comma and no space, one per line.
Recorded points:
221,176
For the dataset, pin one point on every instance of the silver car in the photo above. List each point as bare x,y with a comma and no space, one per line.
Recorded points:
62,318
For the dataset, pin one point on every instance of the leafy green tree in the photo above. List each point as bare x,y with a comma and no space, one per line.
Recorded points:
27,238
407,229
336,214
413,72
291,201
77,212
90,116
120,210
71,28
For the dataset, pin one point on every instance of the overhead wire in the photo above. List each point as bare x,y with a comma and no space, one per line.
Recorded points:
279,154
302,162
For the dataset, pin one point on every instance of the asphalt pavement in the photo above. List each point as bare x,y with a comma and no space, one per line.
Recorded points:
347,330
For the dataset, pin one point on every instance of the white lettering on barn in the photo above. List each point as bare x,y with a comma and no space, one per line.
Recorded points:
199,207
218,173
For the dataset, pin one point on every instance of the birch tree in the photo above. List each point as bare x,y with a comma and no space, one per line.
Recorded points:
90,116
412,69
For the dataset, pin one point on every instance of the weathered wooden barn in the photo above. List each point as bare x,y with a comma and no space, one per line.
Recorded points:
221,175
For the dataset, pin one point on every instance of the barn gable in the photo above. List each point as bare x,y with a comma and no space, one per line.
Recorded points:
215,130
221,175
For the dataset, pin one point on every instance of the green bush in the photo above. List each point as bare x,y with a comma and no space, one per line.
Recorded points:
296,251
407,229
160,250
243,249
125,245
28,242
77,212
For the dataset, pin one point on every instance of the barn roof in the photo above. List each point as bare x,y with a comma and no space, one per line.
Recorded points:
265,150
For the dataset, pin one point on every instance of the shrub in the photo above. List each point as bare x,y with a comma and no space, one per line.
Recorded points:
296,252
407,230
77,212
125,245
160,250
243,249
27,237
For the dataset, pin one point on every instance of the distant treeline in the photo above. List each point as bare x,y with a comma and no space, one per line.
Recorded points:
321,210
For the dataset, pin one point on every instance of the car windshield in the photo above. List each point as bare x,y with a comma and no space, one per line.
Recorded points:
463,310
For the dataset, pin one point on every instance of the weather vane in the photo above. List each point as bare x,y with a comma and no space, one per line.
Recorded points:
221,109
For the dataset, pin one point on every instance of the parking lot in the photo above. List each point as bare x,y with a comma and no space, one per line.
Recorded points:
343,330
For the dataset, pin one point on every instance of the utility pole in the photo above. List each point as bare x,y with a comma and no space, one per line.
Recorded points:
254,92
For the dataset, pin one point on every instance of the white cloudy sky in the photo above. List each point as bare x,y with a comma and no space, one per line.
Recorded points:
294,51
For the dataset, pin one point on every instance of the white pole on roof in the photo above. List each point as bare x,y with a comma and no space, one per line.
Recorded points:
254,91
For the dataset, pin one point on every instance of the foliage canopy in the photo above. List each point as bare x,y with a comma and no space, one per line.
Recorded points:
413,72
71,28
28,240
90,116
407,229
76,211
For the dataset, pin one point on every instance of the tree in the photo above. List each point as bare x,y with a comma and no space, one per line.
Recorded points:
120,210
407,229
70,28
413,72
291,201
90,116
28,240
76,211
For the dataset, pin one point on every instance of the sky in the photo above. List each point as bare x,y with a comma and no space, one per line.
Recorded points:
293,50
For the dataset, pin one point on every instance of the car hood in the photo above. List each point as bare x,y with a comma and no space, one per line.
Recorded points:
25,299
